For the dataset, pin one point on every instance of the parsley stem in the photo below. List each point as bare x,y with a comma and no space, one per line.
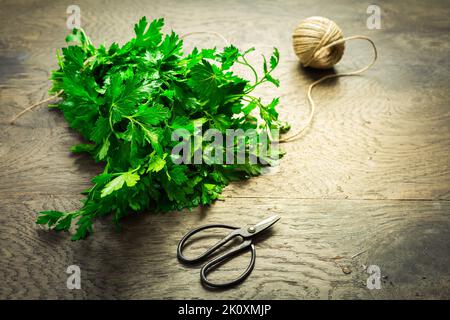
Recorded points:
110,120
245,63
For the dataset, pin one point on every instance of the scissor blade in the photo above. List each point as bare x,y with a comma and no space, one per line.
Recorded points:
266,223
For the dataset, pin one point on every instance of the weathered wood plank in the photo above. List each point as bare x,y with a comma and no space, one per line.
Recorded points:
373,172
298,259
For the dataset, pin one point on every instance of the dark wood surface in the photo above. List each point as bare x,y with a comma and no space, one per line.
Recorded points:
372,175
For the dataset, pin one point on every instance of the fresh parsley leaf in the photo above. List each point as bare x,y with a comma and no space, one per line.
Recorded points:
128,178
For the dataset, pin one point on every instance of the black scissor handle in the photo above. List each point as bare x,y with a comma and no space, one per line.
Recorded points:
203,256
222,259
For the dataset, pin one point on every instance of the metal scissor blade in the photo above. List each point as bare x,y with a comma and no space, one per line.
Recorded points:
266,223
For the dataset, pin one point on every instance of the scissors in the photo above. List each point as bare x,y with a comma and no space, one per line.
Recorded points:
246,233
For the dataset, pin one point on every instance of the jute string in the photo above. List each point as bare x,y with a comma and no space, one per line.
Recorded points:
217,34
330,76
17,116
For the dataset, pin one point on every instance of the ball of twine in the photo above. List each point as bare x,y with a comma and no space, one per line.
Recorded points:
311,40
319,43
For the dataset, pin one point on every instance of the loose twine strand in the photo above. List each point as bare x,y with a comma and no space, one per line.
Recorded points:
217,34
330,76
17,116
309,94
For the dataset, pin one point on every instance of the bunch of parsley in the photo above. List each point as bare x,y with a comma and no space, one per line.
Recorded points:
126,101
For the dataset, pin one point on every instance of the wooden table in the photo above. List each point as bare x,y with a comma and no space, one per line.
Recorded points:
371,176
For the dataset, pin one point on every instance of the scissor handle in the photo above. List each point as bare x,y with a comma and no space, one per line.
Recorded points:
203,256
223,258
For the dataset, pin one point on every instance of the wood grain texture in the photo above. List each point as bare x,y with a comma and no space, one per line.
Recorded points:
302,256
372,173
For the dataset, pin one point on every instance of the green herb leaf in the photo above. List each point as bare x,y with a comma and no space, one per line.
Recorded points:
129,178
